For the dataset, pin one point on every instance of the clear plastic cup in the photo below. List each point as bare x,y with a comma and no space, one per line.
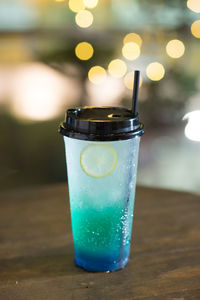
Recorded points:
102,167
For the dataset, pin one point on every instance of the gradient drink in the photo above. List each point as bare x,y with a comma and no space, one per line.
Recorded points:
102,146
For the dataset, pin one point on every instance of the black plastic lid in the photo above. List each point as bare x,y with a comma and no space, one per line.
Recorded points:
101,124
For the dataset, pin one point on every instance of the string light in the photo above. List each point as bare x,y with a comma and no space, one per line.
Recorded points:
194,5
84,51
117,68
84,18
133,37
97,74
129,79
131,51
76,5
175,48
155,71
90,3
195,29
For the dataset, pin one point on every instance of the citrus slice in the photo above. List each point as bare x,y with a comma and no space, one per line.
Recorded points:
98,160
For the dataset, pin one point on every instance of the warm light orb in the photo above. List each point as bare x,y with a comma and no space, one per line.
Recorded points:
39,92
76,5
195,29
192,129
129,80
97,74
84,51
90,3
117,68
155,71
84,18
108,93
131,51
133,37
175,48
194,5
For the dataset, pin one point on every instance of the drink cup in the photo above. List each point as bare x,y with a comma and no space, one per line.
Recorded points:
101,145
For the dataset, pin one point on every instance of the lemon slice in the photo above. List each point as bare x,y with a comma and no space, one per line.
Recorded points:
98,160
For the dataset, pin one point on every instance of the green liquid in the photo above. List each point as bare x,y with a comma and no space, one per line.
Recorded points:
101,232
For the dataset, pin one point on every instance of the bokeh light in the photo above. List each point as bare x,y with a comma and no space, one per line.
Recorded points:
39,92
175,48
117,68
155,71
133,37
131,51
90,3
192,129
84,51
97,74
195,29
129,80
194,5
84,18
76,5
108,92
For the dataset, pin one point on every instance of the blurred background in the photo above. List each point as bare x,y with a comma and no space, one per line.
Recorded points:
57,54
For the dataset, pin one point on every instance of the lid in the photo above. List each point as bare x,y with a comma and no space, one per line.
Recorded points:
101,124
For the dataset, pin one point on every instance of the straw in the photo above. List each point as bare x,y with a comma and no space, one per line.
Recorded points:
135,92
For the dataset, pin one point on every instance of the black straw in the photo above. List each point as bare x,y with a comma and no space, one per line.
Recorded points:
135,92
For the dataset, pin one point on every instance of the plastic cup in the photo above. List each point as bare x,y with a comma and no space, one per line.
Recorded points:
101,153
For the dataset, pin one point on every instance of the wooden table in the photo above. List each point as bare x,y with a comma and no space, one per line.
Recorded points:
36,252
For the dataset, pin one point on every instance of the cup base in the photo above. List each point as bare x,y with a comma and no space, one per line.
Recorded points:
92,266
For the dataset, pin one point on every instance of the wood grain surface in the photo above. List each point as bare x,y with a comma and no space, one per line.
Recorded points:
36,250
